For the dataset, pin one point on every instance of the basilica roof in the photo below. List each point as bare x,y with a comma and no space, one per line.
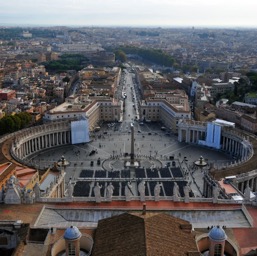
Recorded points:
149,234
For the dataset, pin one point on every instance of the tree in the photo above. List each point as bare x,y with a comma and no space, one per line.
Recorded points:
9,124
66,62
154,55
66,79
3,128
17,122
120,55
25,119
12,123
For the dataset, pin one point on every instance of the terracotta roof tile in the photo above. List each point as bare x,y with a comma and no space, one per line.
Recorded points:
135,234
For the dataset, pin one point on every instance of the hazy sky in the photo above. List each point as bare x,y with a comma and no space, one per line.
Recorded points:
226,13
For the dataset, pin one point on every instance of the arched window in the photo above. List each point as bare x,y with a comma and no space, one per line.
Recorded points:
217,249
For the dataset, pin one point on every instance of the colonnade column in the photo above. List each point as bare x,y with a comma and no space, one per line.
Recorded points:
36,144
43,141
65,137
27,147
40,142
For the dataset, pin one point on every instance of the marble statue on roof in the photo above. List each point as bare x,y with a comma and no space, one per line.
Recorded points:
128,191
176,194
70,189
37,191
141,190
97,192
186,193
247,193
109,191
13,193
157,191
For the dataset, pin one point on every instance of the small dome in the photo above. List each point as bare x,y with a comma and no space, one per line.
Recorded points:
217,234
72,233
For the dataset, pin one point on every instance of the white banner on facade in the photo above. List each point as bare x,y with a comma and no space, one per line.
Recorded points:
79,132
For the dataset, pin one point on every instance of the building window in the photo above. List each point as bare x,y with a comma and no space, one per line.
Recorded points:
71,249
217,250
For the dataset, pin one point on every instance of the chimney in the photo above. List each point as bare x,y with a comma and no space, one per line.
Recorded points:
144,209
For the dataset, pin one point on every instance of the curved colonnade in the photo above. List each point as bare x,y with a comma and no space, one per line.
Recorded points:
238,144
30,141
232,142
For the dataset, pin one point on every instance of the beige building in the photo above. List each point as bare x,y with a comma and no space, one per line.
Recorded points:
95,110
162,110
162,103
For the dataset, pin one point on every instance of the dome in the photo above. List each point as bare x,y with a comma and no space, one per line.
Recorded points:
72,233
217,234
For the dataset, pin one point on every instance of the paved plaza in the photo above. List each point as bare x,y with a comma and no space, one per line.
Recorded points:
110,149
